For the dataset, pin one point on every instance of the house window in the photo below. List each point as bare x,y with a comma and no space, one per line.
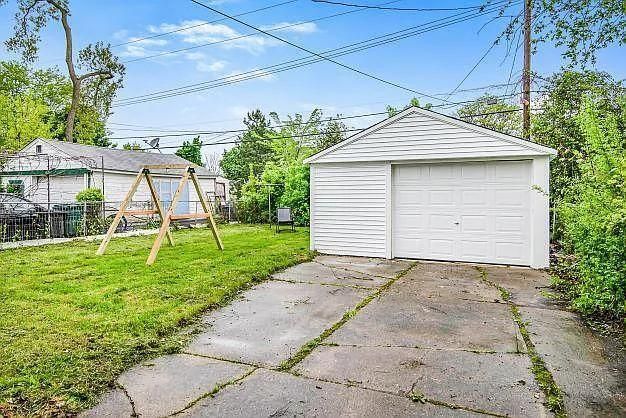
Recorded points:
38,149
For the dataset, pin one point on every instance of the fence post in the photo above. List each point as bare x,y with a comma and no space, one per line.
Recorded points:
84,219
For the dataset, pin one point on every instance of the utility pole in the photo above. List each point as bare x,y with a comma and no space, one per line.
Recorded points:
526,73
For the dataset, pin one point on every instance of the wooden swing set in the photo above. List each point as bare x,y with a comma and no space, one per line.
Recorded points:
167,217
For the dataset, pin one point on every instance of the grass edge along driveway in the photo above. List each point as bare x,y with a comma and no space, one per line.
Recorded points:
71,321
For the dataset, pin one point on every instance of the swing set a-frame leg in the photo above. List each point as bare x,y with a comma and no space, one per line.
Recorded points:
207,210
119,214
157,204
165,225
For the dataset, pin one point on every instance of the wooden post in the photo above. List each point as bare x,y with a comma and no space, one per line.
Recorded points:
166,222
207,209
157,203
119,214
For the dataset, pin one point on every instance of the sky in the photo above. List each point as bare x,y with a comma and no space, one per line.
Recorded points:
433,63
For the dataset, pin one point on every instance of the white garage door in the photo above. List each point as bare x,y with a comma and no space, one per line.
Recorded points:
477,211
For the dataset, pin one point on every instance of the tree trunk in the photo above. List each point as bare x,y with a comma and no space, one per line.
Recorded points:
71,116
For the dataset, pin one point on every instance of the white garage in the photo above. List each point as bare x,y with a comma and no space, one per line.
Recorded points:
424,185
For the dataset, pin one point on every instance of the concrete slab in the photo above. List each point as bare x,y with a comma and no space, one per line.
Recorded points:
449,281
273,321
167,384
497,383
273,394
594,384
526,286
371,266
113,404
319,273
400,318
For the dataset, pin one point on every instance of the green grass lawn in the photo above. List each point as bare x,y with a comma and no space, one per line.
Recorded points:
71,321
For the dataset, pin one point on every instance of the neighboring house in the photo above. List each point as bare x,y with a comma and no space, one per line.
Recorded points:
72,167
428,186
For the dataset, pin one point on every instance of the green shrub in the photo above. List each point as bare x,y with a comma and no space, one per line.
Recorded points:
90,195
593,216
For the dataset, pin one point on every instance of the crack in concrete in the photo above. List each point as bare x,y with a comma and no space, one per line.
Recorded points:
401,395
416,347
352,286
130,400
218,387
307,348
354,271
242,363
543,376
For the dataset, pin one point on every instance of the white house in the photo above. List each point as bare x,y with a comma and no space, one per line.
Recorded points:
424,185
70,168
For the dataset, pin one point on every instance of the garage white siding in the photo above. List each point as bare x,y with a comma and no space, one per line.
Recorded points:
348,209
419,136
427,186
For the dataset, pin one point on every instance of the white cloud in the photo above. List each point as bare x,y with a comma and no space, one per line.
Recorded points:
293,27
212,67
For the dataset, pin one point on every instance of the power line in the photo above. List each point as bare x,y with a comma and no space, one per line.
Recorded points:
309,51
238,131
299,62
229,140
175,51
271,6
480,60
402,9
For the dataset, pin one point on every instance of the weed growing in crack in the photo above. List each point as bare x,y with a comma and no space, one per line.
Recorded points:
307,348
545,380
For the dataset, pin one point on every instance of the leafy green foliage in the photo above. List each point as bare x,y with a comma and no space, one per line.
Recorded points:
283,179
581,27
392,111
91,194
35,104
102,75
253,151
556,124
191,151
493,113
132,146
72,321
593,212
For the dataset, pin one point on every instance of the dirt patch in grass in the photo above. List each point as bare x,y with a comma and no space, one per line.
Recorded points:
71,321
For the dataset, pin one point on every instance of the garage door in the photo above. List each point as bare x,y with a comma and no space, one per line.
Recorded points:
477,211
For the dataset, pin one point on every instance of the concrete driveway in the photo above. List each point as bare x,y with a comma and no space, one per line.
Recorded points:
348,336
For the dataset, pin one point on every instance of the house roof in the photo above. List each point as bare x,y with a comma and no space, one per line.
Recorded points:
121,159
525,147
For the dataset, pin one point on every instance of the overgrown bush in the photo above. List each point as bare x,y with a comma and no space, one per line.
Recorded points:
593,215
90,195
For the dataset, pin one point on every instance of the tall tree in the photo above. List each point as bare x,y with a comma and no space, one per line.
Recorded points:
102,71
191,151
493,113
252,151
556,124
581,27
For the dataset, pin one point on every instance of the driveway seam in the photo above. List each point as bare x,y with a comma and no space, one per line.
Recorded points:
218,387
467,350
353,286
541,373
400,395
353,271
307,348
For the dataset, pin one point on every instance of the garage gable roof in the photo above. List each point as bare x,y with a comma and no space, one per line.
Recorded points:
420,134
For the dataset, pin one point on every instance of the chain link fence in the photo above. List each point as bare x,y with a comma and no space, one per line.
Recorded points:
21,220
